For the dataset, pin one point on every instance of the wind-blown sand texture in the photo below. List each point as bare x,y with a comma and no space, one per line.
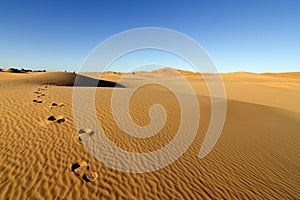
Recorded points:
256,157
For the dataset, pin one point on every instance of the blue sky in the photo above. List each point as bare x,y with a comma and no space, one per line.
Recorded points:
255,36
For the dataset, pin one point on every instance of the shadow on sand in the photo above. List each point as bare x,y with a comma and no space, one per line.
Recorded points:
84,81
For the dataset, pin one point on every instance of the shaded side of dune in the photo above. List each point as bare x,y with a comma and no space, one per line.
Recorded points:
84,81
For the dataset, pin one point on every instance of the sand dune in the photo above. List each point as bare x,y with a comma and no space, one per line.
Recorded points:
287,74
9,75
256,157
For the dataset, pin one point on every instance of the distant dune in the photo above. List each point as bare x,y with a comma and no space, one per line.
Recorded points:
287,74
256,157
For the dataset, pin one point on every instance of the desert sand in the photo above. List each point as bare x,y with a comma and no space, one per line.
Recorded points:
256,157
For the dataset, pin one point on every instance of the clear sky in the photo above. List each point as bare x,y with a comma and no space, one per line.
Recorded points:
255,36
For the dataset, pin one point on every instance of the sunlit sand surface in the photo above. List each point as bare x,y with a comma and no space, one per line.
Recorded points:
256,157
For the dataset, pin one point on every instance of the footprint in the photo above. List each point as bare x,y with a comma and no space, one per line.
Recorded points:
39,96
82,169
90,176
56,105
85,133
40,89
88,131
38,101
57,118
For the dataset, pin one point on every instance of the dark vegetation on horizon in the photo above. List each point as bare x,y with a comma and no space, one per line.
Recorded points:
15,70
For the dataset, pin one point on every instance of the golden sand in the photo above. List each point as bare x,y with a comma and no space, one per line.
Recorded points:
256,157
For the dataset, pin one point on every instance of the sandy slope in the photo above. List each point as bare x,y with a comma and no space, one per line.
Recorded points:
257,156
